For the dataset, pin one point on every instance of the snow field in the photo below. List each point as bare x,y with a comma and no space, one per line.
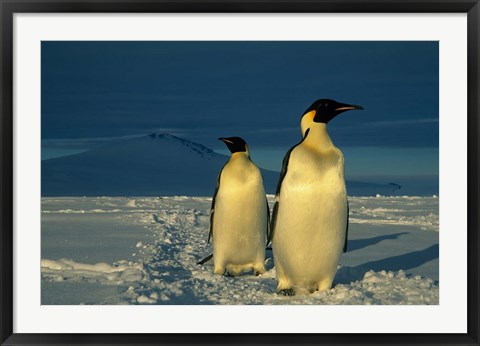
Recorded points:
169,235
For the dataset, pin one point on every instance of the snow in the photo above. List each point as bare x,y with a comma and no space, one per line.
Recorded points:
119,273
144,250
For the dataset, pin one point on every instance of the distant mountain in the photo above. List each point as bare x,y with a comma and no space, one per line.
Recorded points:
152,165
358,188
155,165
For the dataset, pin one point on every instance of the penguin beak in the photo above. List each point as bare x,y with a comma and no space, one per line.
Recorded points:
348,108
224,140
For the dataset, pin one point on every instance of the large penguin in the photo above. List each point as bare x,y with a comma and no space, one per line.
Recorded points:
310,217
239,221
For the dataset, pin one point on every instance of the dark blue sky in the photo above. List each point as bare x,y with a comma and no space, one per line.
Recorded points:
257,90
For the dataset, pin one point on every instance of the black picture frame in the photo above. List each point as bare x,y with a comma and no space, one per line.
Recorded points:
10,7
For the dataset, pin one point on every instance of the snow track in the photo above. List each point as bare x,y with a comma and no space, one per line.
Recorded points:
160,266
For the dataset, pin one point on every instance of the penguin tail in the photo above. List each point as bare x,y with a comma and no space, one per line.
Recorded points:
206,259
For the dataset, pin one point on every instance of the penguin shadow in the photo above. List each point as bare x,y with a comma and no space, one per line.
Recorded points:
346,275
361,243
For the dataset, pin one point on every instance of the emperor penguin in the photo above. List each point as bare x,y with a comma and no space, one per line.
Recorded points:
239,219
310,216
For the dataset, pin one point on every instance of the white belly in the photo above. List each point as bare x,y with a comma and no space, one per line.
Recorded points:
239,221
311,223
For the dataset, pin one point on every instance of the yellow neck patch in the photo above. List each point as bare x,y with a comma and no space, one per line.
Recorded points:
307,121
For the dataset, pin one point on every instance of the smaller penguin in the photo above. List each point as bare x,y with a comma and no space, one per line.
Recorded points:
239,219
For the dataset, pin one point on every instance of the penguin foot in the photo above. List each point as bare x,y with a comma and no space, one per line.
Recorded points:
219,271
287,292
232,274
259,270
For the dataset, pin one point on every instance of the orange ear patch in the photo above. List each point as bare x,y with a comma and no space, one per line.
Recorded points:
310,115
307,120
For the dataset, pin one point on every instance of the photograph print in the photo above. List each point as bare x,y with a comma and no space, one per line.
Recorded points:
240,172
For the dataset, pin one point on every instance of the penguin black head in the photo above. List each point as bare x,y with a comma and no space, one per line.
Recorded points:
324,110
235,144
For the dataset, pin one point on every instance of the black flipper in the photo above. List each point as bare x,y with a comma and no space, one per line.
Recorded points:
206,259
286,159
346,232
273,222
212,209
268,224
